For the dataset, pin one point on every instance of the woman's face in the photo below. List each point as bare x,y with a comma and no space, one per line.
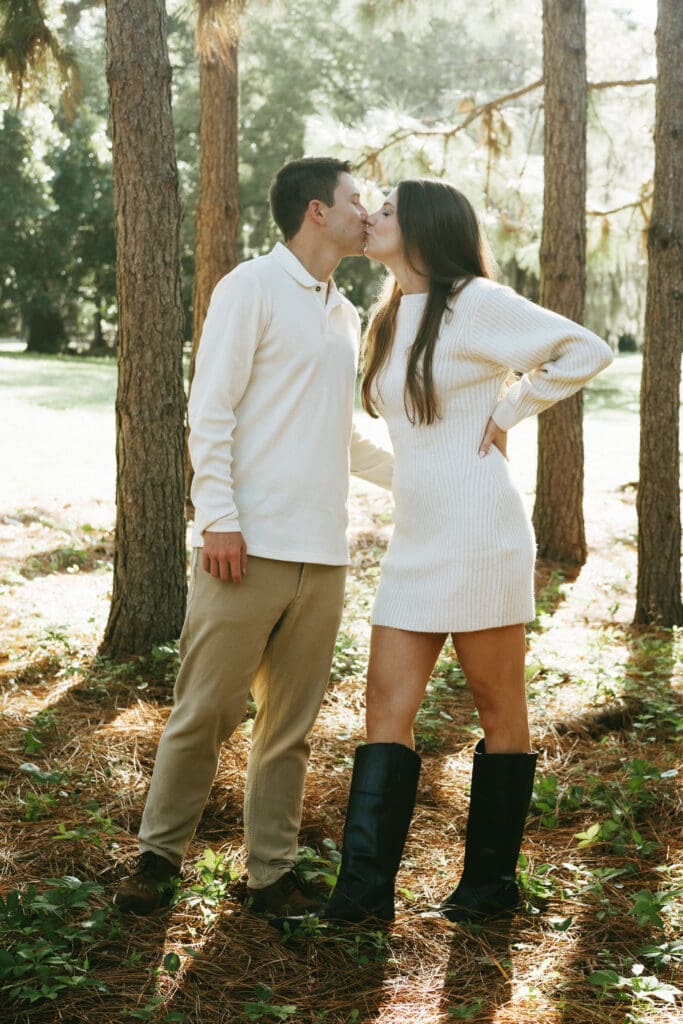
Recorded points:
384,240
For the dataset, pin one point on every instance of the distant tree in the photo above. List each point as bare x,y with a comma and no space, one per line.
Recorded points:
558,508
658,594
56,233
80,228
148,599
24,208
31,53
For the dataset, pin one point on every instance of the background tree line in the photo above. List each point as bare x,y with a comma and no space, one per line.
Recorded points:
389,90
406,103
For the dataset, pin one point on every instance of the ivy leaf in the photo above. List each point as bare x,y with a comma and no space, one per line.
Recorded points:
171,962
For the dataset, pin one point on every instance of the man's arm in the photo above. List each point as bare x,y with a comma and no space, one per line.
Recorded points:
370,461
232,330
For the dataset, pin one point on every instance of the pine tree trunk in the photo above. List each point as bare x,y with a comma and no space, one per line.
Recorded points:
148,599
558,509
218,193
658,594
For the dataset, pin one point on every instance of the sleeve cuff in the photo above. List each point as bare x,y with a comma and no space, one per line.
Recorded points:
223,524
504,416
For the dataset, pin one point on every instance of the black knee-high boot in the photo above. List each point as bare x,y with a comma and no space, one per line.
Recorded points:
499,800
380,807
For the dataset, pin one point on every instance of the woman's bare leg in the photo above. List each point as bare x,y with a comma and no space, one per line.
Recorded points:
493,663
401,662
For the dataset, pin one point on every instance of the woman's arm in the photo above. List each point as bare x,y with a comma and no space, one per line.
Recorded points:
555,355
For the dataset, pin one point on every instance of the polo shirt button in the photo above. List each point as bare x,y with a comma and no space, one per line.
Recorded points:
318,288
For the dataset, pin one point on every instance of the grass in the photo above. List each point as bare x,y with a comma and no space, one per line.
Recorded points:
59,382
66,381
602,865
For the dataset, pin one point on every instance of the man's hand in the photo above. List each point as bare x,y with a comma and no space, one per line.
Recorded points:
225,555
493,435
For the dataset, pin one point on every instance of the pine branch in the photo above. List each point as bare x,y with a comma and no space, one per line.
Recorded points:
636,204
401,134
628,82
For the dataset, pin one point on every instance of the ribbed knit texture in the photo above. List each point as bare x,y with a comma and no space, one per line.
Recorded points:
462,553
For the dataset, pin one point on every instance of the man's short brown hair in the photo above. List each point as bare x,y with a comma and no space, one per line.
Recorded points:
297,183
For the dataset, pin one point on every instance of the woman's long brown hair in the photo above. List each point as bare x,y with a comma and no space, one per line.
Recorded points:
440,233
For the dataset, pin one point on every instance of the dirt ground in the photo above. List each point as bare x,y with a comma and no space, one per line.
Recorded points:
605,700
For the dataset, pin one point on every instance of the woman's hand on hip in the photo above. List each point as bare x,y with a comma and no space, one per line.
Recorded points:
493,435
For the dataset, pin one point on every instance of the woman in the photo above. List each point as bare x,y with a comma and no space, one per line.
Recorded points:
440,348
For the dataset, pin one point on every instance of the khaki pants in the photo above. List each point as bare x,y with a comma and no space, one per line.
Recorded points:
273,634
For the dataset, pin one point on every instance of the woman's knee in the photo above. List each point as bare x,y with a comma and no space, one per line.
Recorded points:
389,710
496,705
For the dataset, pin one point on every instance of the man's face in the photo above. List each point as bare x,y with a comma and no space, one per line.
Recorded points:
346,220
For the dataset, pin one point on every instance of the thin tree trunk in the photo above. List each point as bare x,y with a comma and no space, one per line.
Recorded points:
658,594
45,329
558,509
148,600
218,193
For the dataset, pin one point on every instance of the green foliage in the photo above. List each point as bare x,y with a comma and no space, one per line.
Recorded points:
29,48
627,801
648,906
263,1008
38,805
635,987
537,883
158,668
57,256
46,936
216,875
339,94
151,1010
433,718
548,800
53,777
465,1011
664,953
31,742
364,947
349,658
313,866
57,253
660,714
596,887
548,598
171,963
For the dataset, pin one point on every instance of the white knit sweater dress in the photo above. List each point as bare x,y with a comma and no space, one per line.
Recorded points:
462,552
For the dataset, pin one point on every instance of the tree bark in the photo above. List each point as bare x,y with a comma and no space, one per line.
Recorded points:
148,600
558,509
658,593
218,197
217,214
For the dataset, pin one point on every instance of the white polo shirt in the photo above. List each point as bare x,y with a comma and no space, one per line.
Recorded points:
271,413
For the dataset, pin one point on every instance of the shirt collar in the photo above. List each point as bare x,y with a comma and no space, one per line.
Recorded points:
286,258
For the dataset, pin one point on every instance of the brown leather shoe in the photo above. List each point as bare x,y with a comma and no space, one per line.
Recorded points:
286,896
149,887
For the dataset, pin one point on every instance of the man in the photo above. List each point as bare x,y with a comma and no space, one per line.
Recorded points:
271,437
